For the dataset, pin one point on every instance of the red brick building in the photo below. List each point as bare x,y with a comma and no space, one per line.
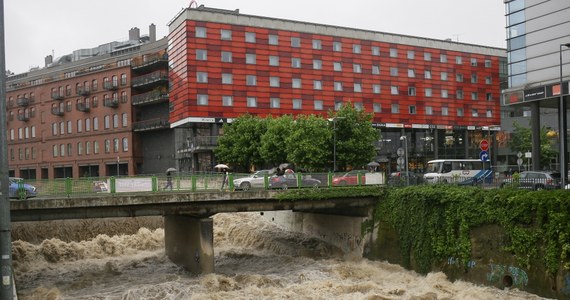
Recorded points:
444,96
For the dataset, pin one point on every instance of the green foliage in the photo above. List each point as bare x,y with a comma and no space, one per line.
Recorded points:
434,223
355,137
274,140
521,140
241,141
320,194
306,145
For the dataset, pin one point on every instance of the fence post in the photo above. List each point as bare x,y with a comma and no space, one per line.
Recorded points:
359,178
329,179
177,183
193,178
230,180
21,191
113,185
154,183
266,181
299,180
68,188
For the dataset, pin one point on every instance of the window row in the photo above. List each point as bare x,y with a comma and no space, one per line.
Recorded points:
21,100
336,46
85,104
89,124
275,102
24,153
88,86
88,147
317,64
24,133
22,114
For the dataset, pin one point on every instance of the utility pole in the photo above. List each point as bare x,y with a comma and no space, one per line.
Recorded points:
7,289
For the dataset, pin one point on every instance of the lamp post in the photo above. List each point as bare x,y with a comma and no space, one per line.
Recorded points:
562,127
333,120
405,139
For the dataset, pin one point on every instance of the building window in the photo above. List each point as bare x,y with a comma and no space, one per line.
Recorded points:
489,113
459,77
125,144
411,91
411,73
337,105
443,58
226,56
444,94
251,102
55,150
489,96
201,54
356,68
444,111
377,107
250,37
87,124
395,108
274,81
474,113
107,122
226,34
125,120
61,128
115,145
394,90
459,94
296,83
337,66
318,105
273,39
69,127
427,74
250,59
107,146
227,78
428,92
375,70
295,62
227,101
295,42
427,56
201,32
62,150
115,121
488,80
412,109
460,112
393,71
201,77
429,110
95,123
443,76
297,104
474,96
274,61
80,148
95,147
393,52
87,148
487,63
411,54
358,106
317,85
337,46
458,60
357,87
317,44
376,88
375,50
251,80
274,103
338,86
202,99
317,64
356,49
473,62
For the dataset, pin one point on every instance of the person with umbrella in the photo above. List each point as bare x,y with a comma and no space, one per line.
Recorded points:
169,178
223,168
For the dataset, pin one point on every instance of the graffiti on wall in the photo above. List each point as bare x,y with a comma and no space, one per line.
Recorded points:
566,289
507,275
455,261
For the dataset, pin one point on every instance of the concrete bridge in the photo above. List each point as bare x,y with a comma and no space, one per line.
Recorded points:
187,217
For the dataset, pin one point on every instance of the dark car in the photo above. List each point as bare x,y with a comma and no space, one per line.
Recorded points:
401,178
19,189
533,180
290,180
350,178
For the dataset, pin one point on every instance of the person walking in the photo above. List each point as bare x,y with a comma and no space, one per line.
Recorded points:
168,181
224,179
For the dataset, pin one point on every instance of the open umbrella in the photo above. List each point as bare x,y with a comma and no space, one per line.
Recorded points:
169,170
373,164
221,166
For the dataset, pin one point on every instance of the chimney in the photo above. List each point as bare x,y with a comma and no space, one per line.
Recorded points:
48,60
134,34
152,33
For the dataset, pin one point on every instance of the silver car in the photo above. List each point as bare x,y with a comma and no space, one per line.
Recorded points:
256,180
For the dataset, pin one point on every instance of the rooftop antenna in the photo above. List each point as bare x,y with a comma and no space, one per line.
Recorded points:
193,2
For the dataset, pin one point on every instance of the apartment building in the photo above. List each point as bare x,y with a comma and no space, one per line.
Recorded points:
442,95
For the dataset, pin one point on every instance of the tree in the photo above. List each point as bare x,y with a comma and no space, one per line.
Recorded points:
273,141
355,137
521,140
241,141
307,143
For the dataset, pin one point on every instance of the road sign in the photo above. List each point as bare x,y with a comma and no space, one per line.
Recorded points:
484,155
484,145
401,161
519,161
400,151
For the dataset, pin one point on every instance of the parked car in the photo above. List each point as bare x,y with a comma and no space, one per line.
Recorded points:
401,178
290,180
350,178
19,189
534,180
256,180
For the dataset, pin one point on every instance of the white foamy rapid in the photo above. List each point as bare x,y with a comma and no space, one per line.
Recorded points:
254,259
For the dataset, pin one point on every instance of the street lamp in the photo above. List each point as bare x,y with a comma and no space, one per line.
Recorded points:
562,126
405,139
334,139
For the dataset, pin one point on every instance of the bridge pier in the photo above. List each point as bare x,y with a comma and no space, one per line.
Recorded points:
189,242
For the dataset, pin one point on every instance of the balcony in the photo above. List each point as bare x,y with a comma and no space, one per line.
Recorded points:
23,117
152,79
57,96
149,125
197,144
111,86
56,111
83,91
149,62
82,107
113,103
22,102
150,98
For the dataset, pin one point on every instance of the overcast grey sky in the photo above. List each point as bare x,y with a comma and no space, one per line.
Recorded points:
35,29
